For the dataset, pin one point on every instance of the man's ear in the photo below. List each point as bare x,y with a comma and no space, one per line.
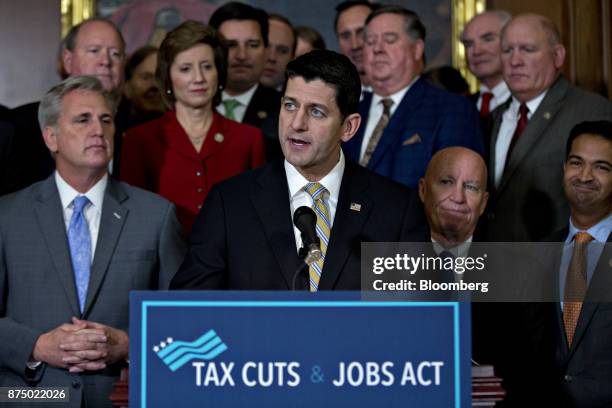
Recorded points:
350,126
419,50
50,138
67,59
483,205
422,189
559,55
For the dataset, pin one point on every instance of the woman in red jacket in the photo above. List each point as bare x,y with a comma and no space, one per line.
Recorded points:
182,154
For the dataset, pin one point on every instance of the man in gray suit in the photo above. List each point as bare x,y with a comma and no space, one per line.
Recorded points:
530,131
72,247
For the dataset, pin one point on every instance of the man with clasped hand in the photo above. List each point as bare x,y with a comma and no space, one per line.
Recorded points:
244,237
72,247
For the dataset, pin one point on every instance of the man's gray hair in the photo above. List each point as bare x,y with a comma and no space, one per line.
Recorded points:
503,16
50,107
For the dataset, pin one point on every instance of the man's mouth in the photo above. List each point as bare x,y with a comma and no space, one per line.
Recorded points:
96,147
269,72
584,188
298,142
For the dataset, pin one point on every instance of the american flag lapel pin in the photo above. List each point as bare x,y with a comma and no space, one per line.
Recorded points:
355,207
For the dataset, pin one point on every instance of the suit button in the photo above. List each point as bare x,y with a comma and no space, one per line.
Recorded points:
199,206
198,173
76,384
200,189
568,378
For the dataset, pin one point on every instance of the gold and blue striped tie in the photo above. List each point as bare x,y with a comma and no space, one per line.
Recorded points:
321,208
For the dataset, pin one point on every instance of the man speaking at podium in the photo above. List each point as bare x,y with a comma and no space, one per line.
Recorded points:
244,237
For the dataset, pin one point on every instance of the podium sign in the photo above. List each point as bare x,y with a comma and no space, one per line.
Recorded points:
279,349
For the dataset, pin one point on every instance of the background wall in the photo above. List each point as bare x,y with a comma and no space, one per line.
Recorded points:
30,33
586,30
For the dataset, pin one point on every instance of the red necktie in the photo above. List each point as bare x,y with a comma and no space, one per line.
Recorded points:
520,127
485,106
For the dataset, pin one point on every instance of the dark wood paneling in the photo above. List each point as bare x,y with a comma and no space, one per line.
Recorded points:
586,33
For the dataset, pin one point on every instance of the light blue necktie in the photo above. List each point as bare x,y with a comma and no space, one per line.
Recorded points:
79,241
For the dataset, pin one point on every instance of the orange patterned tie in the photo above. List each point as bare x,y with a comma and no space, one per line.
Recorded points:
575,285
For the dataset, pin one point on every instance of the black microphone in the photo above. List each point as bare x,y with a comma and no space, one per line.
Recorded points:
306,220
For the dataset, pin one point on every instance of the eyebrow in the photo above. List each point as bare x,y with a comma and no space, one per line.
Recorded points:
573,156
308,104
488,34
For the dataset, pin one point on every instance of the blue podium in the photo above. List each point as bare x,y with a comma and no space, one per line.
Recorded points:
296,349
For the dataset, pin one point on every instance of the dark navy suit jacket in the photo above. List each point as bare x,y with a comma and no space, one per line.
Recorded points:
427,119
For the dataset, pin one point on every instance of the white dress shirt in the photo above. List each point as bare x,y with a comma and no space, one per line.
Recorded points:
93,210
500,92
510,119
376,111
298,197
243,98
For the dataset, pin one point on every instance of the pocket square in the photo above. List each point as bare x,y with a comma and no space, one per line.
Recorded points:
416,138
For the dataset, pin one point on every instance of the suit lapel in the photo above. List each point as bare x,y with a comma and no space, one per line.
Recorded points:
497,117
401,118
347,224
559,237
50,217
112,221
271,202
250,115
261,106
552,103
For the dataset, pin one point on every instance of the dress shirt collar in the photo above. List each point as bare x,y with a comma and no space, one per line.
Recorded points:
459,251
600,231
331,181
500,92
243,98
68,194
395,97
532,105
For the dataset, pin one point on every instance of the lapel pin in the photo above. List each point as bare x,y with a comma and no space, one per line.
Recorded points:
262,114
355,207
117,216
547,115
219,138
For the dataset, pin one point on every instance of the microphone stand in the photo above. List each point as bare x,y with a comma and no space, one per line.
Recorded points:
308,258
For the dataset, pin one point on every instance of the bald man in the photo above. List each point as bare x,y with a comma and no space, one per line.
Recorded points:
454,195
530,131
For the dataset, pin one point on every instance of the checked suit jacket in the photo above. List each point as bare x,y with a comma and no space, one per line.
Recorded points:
139,247
427,119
